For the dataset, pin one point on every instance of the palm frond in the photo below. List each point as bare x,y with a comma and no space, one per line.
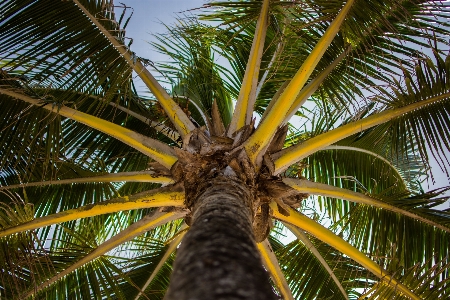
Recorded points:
297,219
138,228
382,235
194,72
404,111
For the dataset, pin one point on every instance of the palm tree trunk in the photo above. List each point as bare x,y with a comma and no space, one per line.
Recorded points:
218,258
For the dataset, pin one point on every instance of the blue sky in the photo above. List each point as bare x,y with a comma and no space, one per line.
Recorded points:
147,18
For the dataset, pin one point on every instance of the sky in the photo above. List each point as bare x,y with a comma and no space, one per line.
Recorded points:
147,19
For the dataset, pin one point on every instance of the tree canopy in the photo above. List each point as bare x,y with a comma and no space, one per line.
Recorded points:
331,111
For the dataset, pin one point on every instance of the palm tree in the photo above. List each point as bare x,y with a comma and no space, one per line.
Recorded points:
100,186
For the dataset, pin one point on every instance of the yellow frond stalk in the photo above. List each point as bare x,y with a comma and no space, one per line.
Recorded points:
274,99
311,87
271,264
325,190
173,111
301,236
158,126
284,158
327,236
145,176
259,141
162,197
140,227
157,150
247,95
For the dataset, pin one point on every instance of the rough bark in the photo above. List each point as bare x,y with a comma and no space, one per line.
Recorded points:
218,258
